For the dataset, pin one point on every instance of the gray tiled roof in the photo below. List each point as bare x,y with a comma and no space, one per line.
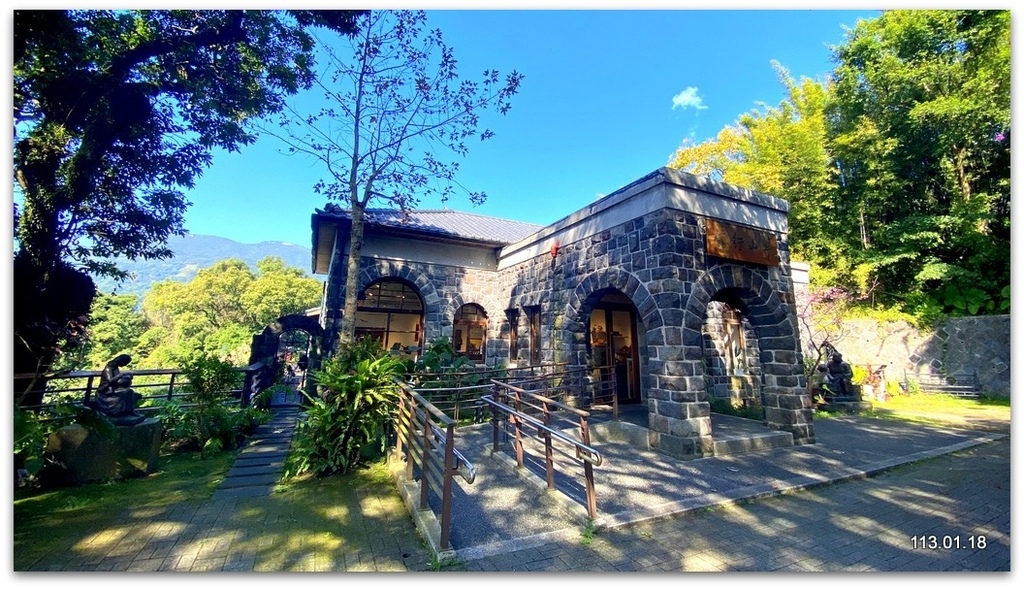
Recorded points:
448,223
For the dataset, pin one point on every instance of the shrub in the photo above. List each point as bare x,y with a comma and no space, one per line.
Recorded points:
347,421
207,422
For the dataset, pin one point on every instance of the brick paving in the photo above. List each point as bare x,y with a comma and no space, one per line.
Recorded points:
857,525
963,499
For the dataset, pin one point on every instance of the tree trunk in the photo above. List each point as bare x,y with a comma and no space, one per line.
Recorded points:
347,333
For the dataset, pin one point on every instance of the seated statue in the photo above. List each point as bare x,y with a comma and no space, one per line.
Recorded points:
115,396
839,377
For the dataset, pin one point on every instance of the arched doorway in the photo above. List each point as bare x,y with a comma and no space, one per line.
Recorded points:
731,354
613,342
391,311
293,347
469,332
292,341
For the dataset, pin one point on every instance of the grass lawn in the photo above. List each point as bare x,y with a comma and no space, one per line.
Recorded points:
351,514
986,413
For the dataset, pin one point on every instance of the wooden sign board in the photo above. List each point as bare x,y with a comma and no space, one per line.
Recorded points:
745,244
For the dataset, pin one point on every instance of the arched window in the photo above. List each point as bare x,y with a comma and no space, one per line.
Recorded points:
391,312
470,332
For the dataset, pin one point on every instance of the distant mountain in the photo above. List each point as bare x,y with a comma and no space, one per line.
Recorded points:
195,252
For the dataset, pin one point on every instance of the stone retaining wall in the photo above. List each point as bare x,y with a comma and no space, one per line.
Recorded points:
979,345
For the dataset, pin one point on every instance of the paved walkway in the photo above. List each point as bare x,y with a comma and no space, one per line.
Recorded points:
776,510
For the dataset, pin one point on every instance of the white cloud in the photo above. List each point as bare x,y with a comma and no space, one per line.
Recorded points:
688,99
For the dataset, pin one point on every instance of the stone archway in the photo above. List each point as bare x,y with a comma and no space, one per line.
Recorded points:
265,350
574,345
770,312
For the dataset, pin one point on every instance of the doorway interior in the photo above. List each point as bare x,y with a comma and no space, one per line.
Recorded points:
613,343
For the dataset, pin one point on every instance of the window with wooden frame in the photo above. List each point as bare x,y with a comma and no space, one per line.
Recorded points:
470,332
533,322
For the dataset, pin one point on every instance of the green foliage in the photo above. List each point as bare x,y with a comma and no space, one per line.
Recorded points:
114,327
920,118
207,420
897,168
346,423
220,309
587,535
116,113
439,356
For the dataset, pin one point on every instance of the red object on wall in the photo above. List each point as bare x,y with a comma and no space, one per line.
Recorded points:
554,249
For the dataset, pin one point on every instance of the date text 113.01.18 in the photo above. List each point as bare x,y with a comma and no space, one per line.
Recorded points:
933,542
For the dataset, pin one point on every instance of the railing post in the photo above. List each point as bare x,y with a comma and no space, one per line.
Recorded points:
615,396
446,494
246,396
518,422
588,471
494,417
88,391
424,484
170,388
549,460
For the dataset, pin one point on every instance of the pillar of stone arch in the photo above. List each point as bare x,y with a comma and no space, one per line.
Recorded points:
787,402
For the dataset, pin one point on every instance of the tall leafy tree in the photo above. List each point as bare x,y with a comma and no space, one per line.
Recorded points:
783,151
397,117
219,310
114,328
114,113
921,124
897,167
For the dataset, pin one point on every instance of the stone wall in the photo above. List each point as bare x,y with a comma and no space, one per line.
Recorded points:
659,262
979,345
958,345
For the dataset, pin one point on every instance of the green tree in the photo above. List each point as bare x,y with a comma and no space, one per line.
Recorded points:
782,151
219,310
279,290
921,124
897,168
114,113
395,109
114,327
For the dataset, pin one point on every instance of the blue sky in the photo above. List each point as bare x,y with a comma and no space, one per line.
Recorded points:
608,96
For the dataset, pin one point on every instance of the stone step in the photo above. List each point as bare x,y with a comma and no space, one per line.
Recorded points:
255,469
752,443
241,492
233,482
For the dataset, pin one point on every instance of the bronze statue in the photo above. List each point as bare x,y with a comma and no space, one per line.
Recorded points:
115,396
839,379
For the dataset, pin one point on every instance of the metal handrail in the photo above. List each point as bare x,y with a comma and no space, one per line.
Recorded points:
90,378
583,452
426,438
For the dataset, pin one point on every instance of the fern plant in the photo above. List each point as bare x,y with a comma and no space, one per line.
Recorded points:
348,419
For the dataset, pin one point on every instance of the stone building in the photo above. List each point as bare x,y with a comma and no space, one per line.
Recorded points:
681,283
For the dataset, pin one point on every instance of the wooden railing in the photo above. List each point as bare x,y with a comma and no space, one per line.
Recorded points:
517,413
426,441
